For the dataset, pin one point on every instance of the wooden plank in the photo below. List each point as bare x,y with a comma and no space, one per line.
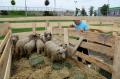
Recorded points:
98,48
4,58
34,28
99,63
89,72
8,67
66,40
77,45
95,37
109,51
2,44
116,62
88,18
60,29
47,25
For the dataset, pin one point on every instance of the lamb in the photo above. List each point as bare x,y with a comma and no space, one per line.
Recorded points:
29,47
14,39
40,46
20,44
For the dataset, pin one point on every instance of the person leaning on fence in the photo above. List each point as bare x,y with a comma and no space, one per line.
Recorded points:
81,27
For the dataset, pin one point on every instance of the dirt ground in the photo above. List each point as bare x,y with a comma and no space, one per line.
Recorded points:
23,70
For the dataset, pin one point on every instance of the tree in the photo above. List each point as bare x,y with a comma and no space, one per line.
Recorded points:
13,2
95,13
83,12
104,9
4,12
77,11
91,10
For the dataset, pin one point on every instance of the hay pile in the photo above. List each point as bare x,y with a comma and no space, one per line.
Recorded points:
23,70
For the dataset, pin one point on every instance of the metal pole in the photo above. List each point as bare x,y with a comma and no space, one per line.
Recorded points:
54,7
54,4
108,8
25,8
75,6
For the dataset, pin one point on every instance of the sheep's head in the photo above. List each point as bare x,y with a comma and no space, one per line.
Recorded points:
48,36
14,39
61,53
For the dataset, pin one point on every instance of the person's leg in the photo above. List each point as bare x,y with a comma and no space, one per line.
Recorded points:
85,51
80,49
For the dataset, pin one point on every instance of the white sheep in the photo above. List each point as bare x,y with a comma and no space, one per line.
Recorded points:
29,47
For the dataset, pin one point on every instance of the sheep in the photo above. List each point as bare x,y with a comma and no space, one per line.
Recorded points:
46,37
14,39
29,47
20,44
40,46
54,51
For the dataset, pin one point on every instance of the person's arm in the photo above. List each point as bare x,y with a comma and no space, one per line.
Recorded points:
86,28
71,26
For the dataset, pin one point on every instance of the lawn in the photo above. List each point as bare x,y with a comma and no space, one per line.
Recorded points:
27,21
17,30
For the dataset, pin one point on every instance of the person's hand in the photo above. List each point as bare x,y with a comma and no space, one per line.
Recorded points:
81,31
71,26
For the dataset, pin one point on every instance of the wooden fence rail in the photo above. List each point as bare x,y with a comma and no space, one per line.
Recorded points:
99,42
5,58
4,41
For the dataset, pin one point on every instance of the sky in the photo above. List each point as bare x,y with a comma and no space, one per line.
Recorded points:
66,4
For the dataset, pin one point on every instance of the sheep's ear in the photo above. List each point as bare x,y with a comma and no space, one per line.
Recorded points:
58,50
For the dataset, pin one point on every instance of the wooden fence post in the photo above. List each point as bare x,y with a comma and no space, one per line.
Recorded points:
34,27
115,27
116,62
60,29
66,37
47,25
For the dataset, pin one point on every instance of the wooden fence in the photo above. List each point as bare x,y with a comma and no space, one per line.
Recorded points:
5,59
108,45
99,42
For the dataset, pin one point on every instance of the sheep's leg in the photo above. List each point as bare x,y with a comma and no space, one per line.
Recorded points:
25,50
38,51
21,52
16,51
28,53
52,58
45,53
42,50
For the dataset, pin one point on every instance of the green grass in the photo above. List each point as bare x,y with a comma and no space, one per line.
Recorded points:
2,37
40,28
73,37
18,30
65,26
11,16
27,21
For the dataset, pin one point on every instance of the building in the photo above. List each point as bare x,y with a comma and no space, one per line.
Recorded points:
115,11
